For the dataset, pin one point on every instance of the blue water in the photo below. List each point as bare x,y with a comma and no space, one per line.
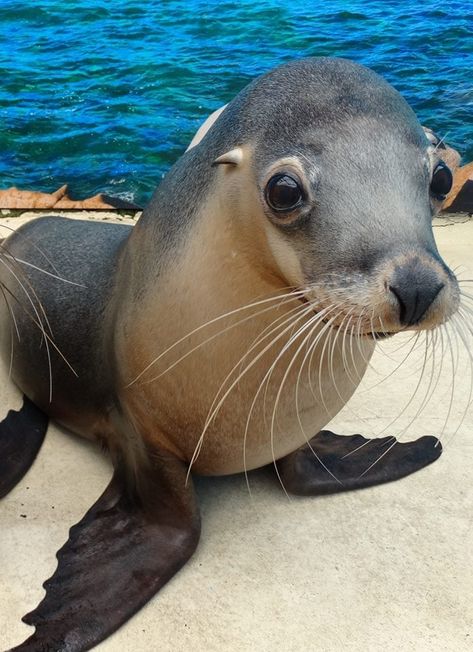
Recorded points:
105,94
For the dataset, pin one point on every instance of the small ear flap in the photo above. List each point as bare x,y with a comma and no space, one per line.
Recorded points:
233,157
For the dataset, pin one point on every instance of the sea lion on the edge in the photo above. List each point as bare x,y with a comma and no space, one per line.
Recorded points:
229,325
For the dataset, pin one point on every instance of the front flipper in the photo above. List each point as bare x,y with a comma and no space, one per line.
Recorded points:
331,463
127,546
21,436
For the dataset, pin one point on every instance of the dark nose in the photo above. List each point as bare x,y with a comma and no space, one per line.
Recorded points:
415,288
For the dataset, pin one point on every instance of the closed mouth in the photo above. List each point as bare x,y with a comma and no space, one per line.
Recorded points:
375,335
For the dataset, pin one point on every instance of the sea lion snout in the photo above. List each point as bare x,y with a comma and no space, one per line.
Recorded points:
421,291
408,290
415,289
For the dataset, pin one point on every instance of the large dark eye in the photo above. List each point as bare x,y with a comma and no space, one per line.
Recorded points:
442,181
283,192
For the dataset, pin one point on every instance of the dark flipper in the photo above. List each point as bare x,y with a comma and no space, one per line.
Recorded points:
333,463
21,436
117,557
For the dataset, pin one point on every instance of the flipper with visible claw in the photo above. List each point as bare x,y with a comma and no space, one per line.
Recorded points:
21,434
126,547
332,463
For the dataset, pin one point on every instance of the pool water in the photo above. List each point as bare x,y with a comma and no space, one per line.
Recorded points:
106,95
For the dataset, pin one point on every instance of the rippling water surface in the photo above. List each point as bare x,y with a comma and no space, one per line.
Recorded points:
106,94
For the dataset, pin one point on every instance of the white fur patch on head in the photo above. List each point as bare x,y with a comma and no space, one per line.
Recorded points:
205,127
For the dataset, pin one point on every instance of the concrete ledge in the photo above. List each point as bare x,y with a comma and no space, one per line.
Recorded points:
441,220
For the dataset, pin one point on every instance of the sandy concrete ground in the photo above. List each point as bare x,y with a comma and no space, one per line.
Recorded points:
388,568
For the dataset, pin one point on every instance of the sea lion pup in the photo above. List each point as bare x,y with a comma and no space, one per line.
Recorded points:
228,326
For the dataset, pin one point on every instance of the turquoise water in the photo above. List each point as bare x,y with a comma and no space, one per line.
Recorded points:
105,95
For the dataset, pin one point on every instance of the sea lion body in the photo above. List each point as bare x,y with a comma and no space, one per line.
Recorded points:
231,323
204,247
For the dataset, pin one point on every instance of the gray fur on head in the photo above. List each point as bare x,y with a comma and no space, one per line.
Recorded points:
309,94
360,134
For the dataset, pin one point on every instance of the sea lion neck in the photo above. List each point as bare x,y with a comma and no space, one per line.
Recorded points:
213,268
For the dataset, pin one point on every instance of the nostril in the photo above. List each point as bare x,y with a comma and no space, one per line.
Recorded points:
414,299
402,306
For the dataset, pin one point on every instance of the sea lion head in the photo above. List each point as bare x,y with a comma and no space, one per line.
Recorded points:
332,183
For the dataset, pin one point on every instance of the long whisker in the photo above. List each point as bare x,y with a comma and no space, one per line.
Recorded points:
265,382
327,328
215,335
313,346
343,399
345,361
40,323
458,325
321,314
28,284
12,314
441,141
348,318
452,392
409,402
352,339
31,242
12,340
44,334
271,326
290,319
43,271
283,381
371,387
432,386
359,339
214,411
378,459
294,294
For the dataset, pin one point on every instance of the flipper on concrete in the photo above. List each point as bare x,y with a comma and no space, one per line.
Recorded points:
332,463
126,547
21,434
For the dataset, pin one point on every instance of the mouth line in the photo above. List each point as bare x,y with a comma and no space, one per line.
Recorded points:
377,335
374,335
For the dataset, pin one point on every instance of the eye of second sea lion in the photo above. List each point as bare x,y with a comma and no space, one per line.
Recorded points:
442,181
283,192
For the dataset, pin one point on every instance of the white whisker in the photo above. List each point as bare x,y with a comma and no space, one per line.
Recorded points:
293,294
